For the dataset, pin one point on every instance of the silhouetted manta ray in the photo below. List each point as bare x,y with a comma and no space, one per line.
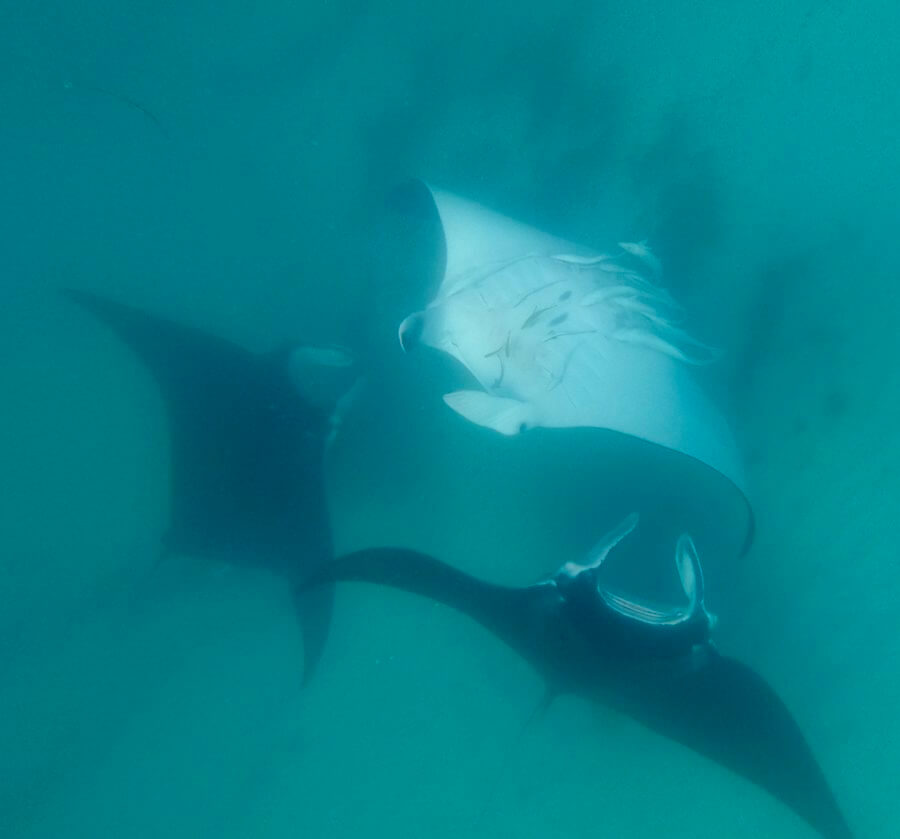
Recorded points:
655,665
248,438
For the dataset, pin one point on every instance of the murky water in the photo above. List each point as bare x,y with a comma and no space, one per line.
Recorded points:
226,166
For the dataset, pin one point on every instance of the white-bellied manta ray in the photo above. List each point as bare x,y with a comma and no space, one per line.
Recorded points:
556,335
656,665
249,434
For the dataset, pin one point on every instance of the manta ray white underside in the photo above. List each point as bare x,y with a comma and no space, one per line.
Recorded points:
558,336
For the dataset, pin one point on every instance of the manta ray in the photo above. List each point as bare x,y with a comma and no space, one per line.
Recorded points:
655,664
542,335
248,433
556,335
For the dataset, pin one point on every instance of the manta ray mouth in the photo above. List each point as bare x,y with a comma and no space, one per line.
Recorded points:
675,629
692,617
645,613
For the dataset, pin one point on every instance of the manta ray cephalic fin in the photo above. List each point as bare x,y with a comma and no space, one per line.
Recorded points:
508,416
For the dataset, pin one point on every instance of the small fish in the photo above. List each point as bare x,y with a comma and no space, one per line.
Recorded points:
569,334
647,339
533,317
645,255
646,310
572,259
503,348
125,100
607,293
534,291
499,380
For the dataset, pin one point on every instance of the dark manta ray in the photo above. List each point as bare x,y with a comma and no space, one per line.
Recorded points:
655,665
248,438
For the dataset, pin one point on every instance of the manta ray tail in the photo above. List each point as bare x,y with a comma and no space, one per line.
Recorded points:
314,608
537,713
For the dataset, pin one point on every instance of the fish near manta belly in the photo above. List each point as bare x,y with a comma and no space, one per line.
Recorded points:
557,335
683,689
248,437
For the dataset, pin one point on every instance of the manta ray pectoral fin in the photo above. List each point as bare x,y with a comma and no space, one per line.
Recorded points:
247,434
506,612
730,714
508,416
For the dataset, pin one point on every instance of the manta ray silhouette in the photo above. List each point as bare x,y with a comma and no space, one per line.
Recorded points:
248,438
642,662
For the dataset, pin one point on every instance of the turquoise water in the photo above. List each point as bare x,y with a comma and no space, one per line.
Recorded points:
226,166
